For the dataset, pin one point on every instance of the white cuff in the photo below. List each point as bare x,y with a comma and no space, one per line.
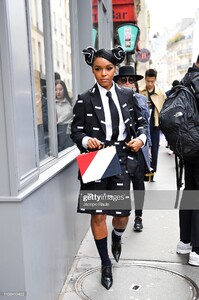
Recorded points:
142,137
85,141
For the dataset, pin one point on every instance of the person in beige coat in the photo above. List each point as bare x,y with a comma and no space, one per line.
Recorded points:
155,99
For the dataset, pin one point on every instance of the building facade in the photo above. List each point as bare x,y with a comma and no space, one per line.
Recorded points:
180,51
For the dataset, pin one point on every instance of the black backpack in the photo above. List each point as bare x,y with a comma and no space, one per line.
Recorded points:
179,122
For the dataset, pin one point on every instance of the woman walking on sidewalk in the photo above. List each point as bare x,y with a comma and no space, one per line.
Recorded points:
101,116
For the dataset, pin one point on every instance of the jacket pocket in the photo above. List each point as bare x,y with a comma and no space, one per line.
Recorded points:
132,163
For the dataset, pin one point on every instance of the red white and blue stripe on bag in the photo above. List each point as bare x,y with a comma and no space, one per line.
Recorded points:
99,164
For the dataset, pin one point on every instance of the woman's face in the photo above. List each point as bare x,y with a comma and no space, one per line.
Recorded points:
59,91
103,71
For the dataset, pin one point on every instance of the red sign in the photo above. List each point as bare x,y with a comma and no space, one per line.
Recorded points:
115,2
123,11
143,55
95,14
94,2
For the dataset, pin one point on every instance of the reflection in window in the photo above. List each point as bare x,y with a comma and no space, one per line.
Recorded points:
61,41
64,115
39,68
95,23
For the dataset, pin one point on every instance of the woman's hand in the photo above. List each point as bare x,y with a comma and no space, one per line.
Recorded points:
94,143
135,145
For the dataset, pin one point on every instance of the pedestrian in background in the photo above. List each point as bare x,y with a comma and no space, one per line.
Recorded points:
168,93
174,83
189,212
127,78
64,112
155,99
93,125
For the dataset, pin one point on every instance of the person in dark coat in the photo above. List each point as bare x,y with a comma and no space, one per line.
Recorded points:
129,79
189,208
168,93
174,83
93,126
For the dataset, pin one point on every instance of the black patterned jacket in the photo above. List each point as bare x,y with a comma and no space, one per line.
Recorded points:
89,117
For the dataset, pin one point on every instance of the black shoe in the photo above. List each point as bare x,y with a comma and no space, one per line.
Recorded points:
138,226
107,278
116,249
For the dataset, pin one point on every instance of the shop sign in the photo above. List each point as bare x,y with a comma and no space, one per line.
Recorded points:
143,55
123,11
128,36
94,36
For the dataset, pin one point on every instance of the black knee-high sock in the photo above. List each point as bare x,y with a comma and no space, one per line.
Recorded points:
117,234
103,251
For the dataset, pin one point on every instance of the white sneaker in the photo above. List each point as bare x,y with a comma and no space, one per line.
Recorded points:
194,259
154,177
183,248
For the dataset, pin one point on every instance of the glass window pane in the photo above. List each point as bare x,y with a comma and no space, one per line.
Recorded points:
95,23
61,41
39,67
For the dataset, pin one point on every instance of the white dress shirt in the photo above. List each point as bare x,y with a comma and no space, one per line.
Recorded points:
108,123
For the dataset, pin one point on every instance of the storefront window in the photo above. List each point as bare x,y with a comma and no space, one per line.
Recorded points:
61,41
61,44
39,68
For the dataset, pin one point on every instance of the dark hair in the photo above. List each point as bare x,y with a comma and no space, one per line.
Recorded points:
136,86
175,82
115,56
66,94
197,61
57,76
151,73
